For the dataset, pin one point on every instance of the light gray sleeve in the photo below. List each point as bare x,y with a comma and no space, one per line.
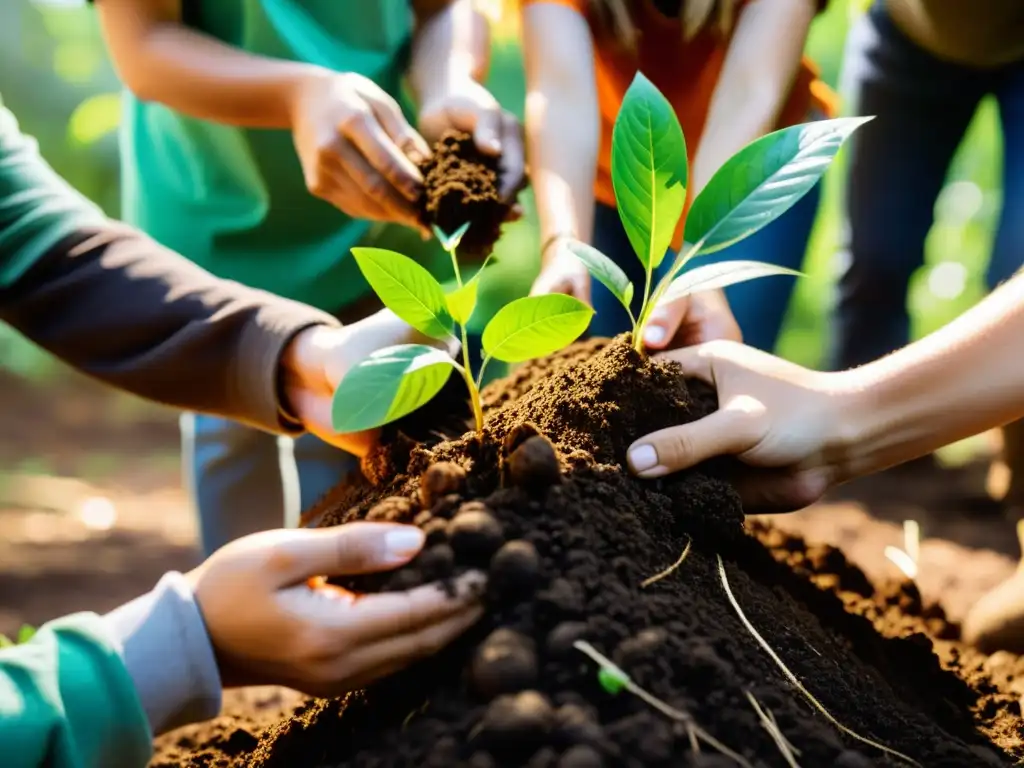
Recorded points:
163,640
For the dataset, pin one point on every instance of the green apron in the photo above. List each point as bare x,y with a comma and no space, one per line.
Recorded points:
234,200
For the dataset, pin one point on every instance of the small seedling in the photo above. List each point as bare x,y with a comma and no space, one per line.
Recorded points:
753,188
796,680
26,633
908,558
395,381
614,680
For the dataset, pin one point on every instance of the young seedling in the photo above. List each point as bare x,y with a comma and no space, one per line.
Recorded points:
395,381
794,679
615,680
907,559
25,633
752,189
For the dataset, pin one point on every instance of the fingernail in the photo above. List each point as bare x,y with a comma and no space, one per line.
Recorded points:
403,542
642,457
654,335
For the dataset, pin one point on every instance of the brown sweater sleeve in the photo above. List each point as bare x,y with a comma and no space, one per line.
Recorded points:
113,303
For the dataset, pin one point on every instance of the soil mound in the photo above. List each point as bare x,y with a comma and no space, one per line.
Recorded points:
462,184
571,543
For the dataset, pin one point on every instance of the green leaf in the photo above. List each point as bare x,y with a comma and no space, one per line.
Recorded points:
721,275
535,326
407,289
763,180
450,242
604,270
26,633
5,641
389,384
612,680
649,170
462,301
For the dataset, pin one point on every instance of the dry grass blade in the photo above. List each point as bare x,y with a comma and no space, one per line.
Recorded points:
789,752
795,680
694,732
672,568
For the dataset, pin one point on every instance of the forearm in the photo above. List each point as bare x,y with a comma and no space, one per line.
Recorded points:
161,60
760,66
113,303
452,43
959,381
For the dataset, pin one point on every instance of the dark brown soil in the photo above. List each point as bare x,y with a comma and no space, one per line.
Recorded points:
462,184
567,553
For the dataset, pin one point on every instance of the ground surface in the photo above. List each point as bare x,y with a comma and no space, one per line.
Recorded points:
91,513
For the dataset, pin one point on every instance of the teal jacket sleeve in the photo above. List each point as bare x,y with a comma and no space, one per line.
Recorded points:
67,700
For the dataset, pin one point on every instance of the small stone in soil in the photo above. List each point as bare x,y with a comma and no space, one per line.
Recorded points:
575,725
445,506
440,480
436,531
505,662
533,466
475,534
559,643
515,568
517,722
438,562
581,756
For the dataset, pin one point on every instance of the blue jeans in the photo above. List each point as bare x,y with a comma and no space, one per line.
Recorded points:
759,305
897,167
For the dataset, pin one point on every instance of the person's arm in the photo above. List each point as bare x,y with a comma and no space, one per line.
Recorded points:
760,66
562,133
820,429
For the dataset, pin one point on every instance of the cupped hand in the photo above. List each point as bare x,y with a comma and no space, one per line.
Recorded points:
272,621
357,150
466,105
562,272
318,358
784,421
696,319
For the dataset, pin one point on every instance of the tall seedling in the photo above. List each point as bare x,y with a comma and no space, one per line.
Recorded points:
753,188
395,381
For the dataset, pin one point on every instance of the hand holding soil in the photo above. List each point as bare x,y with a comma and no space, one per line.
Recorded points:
356,148
695,319
295,630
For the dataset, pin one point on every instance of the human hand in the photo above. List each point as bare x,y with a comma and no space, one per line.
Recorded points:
356,148
788,423
465,105
298,632
318,358
562,272
696,319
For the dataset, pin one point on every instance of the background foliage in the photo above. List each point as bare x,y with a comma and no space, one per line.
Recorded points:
55,75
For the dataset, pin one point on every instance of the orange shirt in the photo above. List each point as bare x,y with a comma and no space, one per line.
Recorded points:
686,73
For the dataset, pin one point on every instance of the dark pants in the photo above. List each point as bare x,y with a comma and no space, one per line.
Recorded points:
759,305
897,166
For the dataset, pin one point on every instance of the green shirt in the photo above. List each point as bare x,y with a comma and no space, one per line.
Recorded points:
234,200
37,207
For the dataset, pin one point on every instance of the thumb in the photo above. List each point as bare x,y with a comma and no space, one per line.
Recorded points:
350,549
727,431
487,131
313,409
664,321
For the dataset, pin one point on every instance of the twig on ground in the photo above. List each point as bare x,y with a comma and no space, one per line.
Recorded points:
671,569
614,679
789,752
794,679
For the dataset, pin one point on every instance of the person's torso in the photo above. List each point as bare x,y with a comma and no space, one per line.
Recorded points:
686,73
234,200
982,33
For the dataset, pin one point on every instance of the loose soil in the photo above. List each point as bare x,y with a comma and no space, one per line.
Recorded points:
460,184
542,502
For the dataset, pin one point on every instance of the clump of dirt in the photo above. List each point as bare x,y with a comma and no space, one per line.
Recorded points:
460,184
568,538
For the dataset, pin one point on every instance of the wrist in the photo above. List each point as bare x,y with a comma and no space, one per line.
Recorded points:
303,366
309,84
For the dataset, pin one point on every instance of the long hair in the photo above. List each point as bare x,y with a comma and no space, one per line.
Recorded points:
695,15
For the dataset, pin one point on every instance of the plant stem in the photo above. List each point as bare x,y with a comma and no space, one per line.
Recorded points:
474,391
638,327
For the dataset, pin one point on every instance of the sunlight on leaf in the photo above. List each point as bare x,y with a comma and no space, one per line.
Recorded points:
535,326
407,289
764,180
604,270
450,242
649,170
389,384
720,275
462,301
